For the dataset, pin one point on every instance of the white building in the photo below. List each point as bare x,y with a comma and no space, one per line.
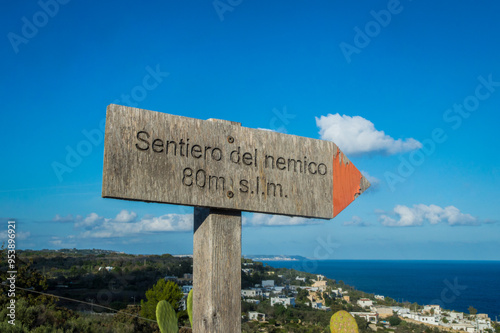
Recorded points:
365,302
253,315
286,301
435,309
380,297
463,327
251,292
400,310
337,292
428,320
456,315
483,325
251,300
370,317
432,320
298,278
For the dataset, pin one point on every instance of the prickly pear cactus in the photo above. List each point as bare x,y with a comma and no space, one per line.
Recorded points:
343,322
166,317
190,307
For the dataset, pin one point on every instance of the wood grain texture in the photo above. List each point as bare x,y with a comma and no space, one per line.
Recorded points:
216,271
147,158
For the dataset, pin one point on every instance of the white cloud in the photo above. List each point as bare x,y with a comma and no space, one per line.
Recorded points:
20,235
356,221
125,224
125,217
357,135
257,220
90,221
403,216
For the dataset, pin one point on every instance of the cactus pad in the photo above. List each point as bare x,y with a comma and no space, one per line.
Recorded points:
343,322
166,317
190,307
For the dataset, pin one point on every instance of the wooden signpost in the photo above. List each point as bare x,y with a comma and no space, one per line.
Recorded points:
222,169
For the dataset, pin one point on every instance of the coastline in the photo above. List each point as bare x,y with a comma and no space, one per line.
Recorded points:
453,284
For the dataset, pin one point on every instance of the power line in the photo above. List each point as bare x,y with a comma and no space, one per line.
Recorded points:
91,304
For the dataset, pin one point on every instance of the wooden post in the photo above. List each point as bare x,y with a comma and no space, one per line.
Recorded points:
216,271
217,268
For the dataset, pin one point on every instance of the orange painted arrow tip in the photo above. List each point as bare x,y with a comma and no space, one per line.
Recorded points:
348,182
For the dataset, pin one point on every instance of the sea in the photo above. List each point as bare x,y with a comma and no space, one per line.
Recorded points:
454,285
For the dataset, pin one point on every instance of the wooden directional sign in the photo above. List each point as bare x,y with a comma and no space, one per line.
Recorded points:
158,157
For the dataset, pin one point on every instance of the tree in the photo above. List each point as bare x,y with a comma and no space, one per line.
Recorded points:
328,300
362,324
472,310
162,290
415,306
302,295
394,320
279,310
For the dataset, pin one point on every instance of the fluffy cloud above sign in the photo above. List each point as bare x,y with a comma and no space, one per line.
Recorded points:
404,216
357,135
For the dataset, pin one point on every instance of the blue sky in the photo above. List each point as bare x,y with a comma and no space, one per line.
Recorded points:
409,90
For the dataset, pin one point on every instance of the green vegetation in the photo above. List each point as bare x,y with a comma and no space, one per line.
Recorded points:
162,290
472,310
394,320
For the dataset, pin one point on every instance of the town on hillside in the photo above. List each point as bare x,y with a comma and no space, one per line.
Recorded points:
322,294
